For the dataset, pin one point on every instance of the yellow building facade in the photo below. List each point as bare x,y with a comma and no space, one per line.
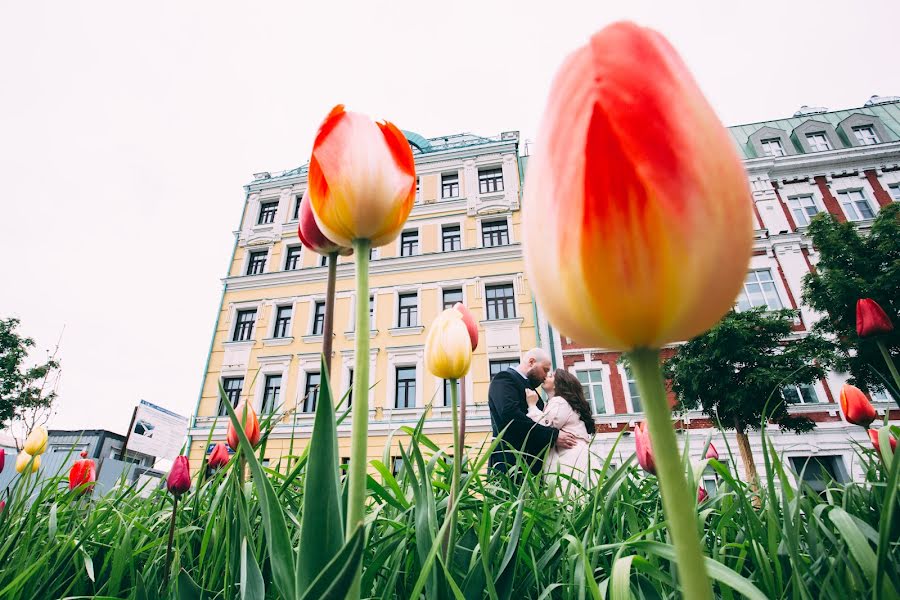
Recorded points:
462,242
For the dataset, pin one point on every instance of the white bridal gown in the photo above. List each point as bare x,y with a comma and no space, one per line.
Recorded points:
577,462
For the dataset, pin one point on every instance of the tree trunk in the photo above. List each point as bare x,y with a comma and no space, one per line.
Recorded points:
750,473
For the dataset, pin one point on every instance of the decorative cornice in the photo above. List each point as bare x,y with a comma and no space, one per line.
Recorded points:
820,163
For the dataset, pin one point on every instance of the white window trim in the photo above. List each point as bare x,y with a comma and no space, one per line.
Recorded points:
274,305
500,280
351,321
462,233
284,256
276,365
591,365
251,249
407,356
296,198
873,206
487,166
233,309
846,459
448,285
418,251
479,243
819,391
395,322
347,364
311,318
626,389
459,185
256,209
817,202
762,262
307,363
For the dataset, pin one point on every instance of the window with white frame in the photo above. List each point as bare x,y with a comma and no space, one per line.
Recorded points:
490,180
633,392
371,315
496,366
759,290
803,208
283,321
855,204
500,301
311,392
447,393
800,394
818,141
494,233
233,387
267,212
405,388
450,185
865,135
318,322
592,383
349,391
894,189
451,238
879,395
408,310
409,242
819,471
450,296
323,260
772,147
298,199
292,258
256,263
271,394
244,322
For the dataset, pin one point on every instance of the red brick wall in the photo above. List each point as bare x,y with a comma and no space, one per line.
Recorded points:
880,193
831,203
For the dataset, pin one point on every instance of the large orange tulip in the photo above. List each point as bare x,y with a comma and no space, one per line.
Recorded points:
362,179
448,347
637,212
856,407
250,423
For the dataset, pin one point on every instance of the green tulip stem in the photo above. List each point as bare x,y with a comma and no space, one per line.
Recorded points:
328,324
457,467
171,540
891,367
356,495
678,504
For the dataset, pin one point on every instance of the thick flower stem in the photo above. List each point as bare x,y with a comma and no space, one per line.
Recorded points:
891,367
171,540
457,467
678,503
328,325
356,495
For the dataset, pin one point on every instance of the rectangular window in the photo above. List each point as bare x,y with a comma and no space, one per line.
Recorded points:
311,392
451,238
297,200
292,259
818,471
772,147
447,392
323,261
318,324
256,264
233,387
636,405
418,190
759,290
495,366
349,388
371,315
879,395
408,310
405,392
818,141
450,185
895,192
267,212
799,394
865,135
855,205
803,209
271,393
409,243
501,301
592,382
494,233
451,296
243,325
490,180
283,321
396,465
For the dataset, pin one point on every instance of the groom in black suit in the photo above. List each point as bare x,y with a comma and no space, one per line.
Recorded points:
506,401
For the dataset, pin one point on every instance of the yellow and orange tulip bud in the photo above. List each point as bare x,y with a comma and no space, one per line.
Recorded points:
637,212
250,423
36,442
362,179
856,407
448,347
22,462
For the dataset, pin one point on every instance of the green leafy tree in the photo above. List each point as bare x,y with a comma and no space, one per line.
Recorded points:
26,392
853,266
735,372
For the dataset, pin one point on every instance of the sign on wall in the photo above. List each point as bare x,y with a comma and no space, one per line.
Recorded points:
157,431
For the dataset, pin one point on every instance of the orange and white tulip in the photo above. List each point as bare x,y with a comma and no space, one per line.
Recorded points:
448,347
362,179
637,213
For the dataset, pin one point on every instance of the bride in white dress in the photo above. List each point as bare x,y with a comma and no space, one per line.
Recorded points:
567,410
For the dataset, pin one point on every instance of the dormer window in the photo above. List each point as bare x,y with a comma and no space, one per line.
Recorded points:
818,141
772,147
865,135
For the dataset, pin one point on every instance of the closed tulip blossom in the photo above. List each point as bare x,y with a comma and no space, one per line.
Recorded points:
712,453
250,423
22,462
36,442
856,407
643,449
218,457
83,473
871,319
873,436
469,320
448,347
179,479
2,459
702,495
362,179
311,236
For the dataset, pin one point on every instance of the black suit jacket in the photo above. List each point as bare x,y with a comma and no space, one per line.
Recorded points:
506,401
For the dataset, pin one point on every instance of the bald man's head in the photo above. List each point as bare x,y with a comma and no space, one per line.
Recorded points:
535,365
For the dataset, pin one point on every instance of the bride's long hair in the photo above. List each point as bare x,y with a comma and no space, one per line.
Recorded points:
569,388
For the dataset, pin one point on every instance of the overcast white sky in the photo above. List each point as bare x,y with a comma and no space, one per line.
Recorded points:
127,131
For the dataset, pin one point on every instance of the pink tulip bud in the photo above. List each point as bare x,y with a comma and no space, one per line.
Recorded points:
2,458
701,495
250,423
643,449
873,435
712,453
311,236
218,457
179,480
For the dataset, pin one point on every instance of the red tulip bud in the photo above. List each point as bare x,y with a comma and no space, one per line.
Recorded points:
701,495
643,449
469,320
2,458
873,435
2,505
712,453
83,472
310,234
218,457
856,407
179,480
871,319
250,423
